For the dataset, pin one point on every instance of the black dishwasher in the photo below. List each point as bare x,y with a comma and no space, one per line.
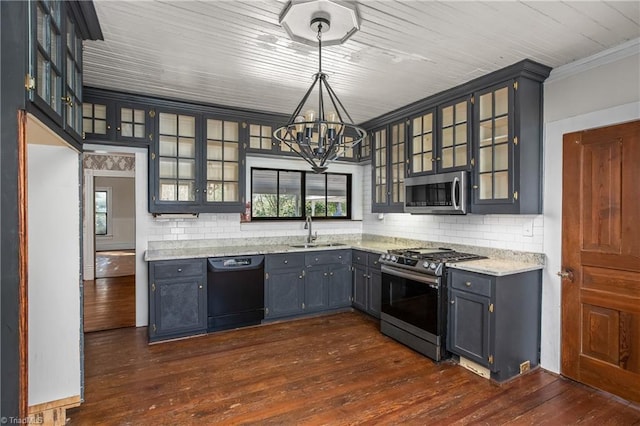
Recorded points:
235,292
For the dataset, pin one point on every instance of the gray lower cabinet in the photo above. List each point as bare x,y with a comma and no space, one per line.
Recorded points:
367,282
303,283
177,298
284,285
495,320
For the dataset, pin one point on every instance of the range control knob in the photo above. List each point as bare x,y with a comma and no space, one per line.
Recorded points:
433,266
394,259
426,265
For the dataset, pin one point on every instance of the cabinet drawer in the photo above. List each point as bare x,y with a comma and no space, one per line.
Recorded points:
285,260
373,260
327,257
360,257
472,283
178,268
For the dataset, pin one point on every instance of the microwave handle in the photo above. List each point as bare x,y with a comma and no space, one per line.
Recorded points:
456,184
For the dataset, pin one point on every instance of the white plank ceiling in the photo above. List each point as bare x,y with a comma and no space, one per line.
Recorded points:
235,53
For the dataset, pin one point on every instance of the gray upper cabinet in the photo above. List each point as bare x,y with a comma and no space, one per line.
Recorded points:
196,164
454,142
54,81
508,149
117,122
389,168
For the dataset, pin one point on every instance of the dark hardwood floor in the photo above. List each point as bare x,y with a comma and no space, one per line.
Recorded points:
109,303
335,370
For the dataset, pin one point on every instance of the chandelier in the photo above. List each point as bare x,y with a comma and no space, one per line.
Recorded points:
320,130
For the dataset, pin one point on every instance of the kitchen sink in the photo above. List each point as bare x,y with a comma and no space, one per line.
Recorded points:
303,245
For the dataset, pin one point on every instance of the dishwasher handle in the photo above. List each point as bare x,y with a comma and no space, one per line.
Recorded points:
235,263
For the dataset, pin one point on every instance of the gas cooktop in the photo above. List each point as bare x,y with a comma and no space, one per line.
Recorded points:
426,260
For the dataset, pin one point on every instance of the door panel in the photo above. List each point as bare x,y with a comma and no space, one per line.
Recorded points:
601,255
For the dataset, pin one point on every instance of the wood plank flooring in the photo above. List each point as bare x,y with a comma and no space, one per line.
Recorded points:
335,370
109,303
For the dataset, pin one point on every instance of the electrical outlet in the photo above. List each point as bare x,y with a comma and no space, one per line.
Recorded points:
527,228
525,366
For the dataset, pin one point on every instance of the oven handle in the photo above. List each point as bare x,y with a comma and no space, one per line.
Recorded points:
416,277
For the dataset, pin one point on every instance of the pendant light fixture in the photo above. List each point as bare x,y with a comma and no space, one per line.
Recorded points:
320,130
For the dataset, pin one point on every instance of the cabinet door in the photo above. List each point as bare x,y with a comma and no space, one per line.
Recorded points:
364,148
284,293
389,169
261,139
422,144
454,135
397,166
98,118
340,286
469,326
380,191
374,301
360,283
178,307
224,167
316,288
134,123
493,176
174,164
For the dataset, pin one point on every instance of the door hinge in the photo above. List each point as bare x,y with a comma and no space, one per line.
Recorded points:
244,124
515,140
491,307
152,113
302,305
153,286
153,155
473,162
29,82
515,195
472,100
154,328
154,198
490,359
150,136
303,272
266,311
515,85
266,276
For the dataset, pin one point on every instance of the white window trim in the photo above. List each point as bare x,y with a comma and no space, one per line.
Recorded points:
109,235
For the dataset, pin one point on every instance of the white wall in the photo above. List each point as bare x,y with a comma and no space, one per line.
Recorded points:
122,233
54,273
594,92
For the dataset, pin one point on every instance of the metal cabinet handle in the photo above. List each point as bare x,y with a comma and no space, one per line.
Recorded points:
325,274
286,261
200,286
468,283
339,257
179,269
331,274
453,302
300,276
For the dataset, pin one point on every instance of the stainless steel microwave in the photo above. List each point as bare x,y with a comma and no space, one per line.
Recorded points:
444,193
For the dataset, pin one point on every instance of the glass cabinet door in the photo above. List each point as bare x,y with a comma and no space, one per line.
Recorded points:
73,86
398,160
380,190
454,136
95,119
176,158
493,162
48,57
222,161
365,148
261,138
131,122
422,159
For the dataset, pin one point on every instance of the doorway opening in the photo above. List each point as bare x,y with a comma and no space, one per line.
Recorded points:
109,297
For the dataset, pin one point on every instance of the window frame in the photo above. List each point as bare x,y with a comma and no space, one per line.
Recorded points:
303,175
109,212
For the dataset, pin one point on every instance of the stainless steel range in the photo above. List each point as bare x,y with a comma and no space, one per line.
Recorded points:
414,297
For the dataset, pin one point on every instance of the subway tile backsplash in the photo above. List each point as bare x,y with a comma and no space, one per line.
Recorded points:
510,232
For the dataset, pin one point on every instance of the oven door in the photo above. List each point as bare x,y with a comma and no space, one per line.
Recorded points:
411,297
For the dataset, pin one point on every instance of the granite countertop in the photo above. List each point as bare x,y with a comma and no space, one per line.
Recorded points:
499,262
219,251
496,267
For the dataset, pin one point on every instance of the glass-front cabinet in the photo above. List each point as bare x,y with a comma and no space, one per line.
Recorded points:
422,158
389,168
494,137
119,122
454,143
196,164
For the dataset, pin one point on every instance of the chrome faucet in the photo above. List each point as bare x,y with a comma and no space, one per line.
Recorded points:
308,225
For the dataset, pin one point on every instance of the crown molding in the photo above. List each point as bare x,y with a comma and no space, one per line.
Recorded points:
616,53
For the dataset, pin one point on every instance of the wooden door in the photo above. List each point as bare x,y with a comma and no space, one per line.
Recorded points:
601,259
